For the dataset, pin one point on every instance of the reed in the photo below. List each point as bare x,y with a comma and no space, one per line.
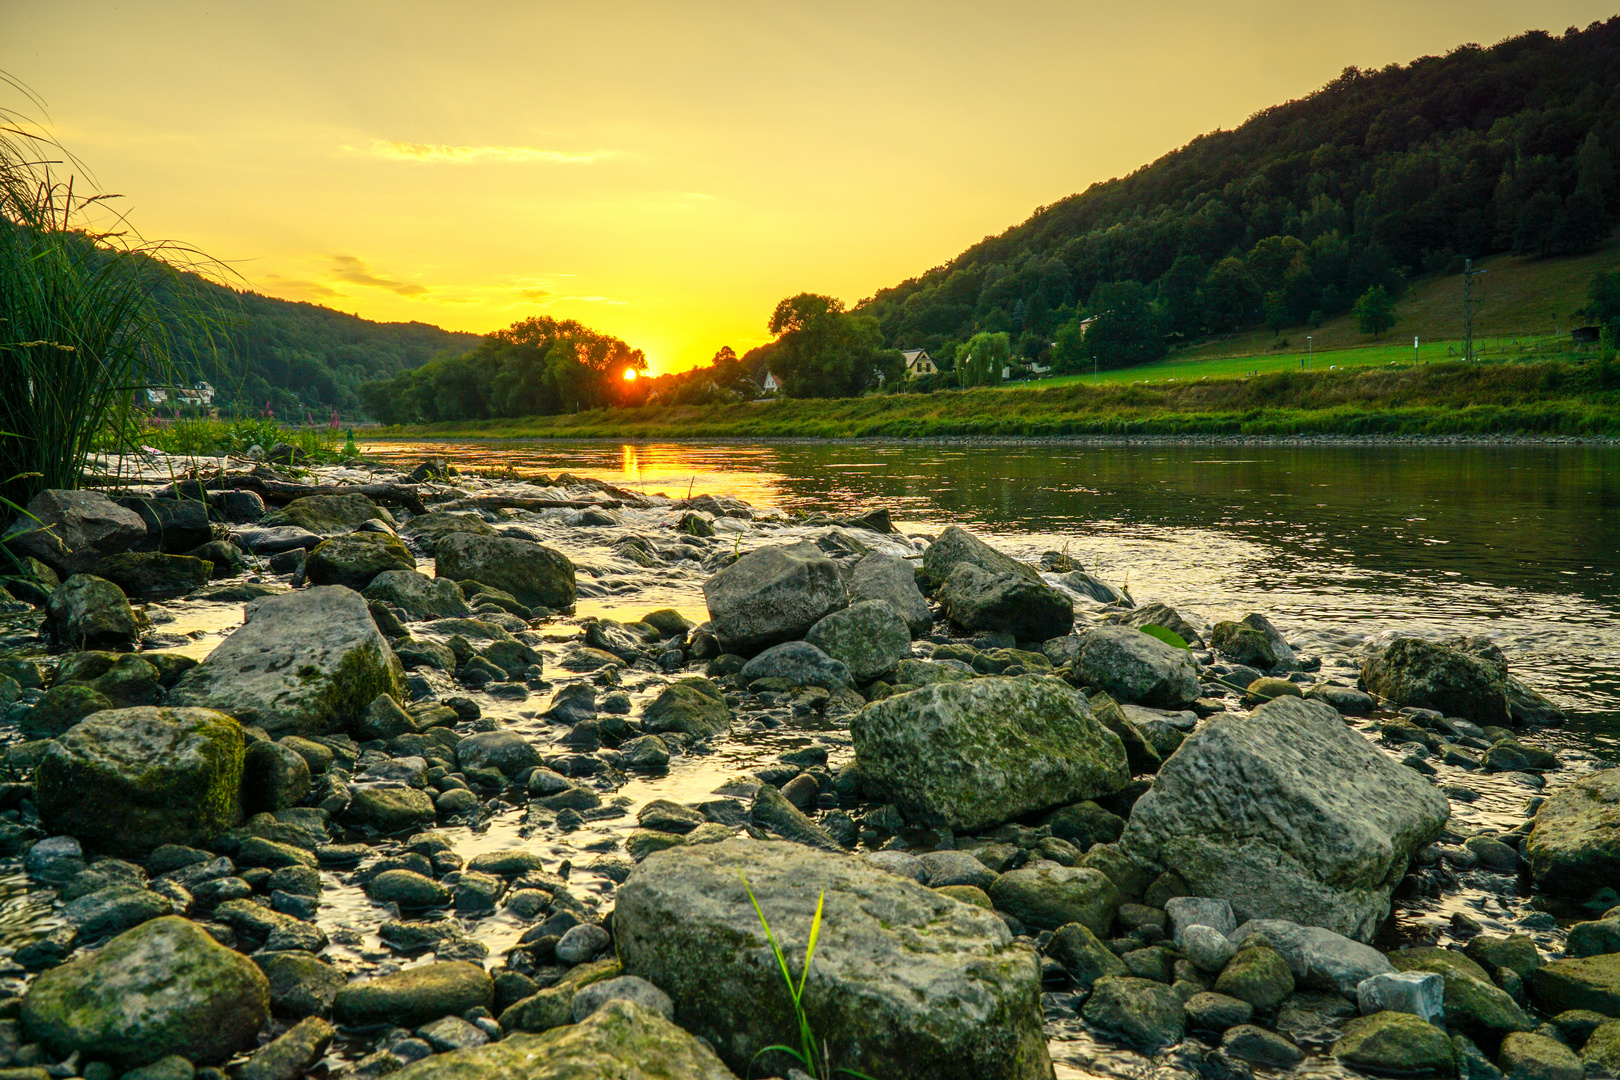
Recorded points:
87,314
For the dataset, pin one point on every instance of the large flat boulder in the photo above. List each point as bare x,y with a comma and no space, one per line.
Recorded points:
1574,847
305,663
173,526
1425,675
1591,982
1287,814
70,530
771,595
975,753
127,780
622,1040
1132,666
957,545
892,580
906,983
533,573
327,515
1030,610
165,987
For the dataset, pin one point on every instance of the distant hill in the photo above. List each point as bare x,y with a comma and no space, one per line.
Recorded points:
1378,177
300,357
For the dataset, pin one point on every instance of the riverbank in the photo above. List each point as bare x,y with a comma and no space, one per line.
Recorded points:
1546,399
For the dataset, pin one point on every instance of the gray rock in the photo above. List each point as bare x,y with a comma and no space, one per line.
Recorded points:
1288,813
505,750
1159,615
903,863
1005,603
868,637
114,910
620,1039
893,581
972,754
291,1054
86,612
1421,993
152,575
624,988
956,545
305,663
771,595
389,809
419,596
274,777
1078,581
1142,1012
1083,955
1258,1046
1131,666
383,718
300,984
1319,959
128,780
327,515
956,868
1207,1011
1205,946
1574,847
580,943
1184,911
1422,674
799,662
533,573
165,987
907,983
692,706
1047,896
70,530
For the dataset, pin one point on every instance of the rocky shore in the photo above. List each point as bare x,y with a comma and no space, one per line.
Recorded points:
323,771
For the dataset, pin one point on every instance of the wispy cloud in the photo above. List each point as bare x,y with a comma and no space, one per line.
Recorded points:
351,269
466,155
535,294
314,288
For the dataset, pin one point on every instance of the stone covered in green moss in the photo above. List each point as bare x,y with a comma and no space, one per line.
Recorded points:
1395,1042
693,706
414,996
1574,847
127,780
305,663
906,983
165,987
355,559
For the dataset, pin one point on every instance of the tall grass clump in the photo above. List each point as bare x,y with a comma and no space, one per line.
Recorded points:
87,310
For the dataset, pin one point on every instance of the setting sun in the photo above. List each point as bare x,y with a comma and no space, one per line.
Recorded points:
629,374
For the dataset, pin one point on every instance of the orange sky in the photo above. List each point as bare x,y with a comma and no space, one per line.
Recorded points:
663,172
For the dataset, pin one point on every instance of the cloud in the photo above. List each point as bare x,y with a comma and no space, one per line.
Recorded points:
466,155
315,288
535,294
350,269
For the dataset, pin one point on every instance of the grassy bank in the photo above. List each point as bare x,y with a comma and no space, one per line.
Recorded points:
1547,398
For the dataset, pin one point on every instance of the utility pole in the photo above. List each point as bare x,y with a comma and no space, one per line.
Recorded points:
1469,273
1310,351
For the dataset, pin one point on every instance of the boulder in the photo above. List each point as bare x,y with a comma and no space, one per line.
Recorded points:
275,541
800,663
533,573
906,983
1289,814
429,529
62,706
1525,1056
173,526
390,809
868,637
238,507
1421,674
771,595
1574,846
86,612
300,984
70,530
274,777
326,515
305,663
693,706
1131,666
1083,956
1159,615
505,750
1318,958
623,1040
128,780
1030,610
151,575
1142,1012
892,580
419,596
414,996
1394,1042
1591,982
972,754
355,559
165,987
1047,896
956,545
1473,1003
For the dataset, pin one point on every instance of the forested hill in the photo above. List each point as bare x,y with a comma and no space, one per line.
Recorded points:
300,357
1378,176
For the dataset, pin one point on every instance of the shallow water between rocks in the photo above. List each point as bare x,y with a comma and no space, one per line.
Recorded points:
1334,544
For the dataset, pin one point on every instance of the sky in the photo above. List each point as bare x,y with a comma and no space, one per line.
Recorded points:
662,172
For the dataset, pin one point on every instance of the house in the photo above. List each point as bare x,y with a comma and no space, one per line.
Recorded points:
919,363
770,385
201,395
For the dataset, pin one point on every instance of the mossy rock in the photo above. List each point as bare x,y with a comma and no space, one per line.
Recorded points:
355,559
1397,1043
1258,975
693,706
414,996
61,708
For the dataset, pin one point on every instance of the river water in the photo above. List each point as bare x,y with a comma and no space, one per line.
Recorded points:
1333,543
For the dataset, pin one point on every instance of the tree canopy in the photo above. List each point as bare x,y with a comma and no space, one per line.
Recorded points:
824,351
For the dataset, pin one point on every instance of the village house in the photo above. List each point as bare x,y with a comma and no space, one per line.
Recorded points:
919,363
